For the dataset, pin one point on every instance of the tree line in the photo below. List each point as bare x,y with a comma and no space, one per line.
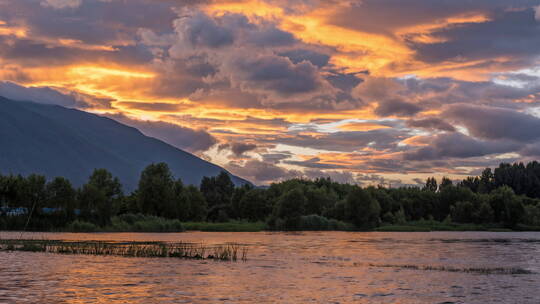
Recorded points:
507,197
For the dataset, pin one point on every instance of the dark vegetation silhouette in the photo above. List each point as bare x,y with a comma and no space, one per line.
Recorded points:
507,197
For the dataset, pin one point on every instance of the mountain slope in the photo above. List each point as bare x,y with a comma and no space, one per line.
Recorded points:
56,141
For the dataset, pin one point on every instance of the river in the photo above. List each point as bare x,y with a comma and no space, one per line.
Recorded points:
307,267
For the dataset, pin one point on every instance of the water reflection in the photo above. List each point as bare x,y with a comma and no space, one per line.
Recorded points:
325,267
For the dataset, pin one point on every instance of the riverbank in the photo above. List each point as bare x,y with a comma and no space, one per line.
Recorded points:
142,223
427,226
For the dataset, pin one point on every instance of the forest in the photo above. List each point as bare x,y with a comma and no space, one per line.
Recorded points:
507,197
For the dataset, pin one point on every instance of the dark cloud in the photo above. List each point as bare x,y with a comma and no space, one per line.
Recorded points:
276,157
510,33
388,94
299,55
92,22
151,106
379,139
261,172
344,81
275,74
199,30
387,16
458,145
238,148
495,123
338,176
241,148
394,95
52,96
34,53
432,123
397,107
532,150
313,163
271,37
435,92
181,137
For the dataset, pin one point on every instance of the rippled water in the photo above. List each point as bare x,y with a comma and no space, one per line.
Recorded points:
314,267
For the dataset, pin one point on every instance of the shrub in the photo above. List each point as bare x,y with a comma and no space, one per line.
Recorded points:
81,226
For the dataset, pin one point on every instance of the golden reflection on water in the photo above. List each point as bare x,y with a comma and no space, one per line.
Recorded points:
316,267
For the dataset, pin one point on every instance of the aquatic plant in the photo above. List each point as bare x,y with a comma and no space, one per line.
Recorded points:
224,252
478,270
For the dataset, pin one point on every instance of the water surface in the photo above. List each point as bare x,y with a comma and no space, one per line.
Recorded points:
310,267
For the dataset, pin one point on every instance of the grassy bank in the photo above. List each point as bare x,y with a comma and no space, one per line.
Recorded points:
426,226
147,223
233,226
129,223
225,252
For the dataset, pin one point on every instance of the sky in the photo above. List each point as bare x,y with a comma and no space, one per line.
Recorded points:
383,92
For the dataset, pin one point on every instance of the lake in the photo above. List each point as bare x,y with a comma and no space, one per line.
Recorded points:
307,267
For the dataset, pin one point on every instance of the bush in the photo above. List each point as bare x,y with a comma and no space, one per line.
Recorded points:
144,223
81,226
313,222
231,226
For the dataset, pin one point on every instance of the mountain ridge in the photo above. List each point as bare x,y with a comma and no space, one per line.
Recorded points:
56,141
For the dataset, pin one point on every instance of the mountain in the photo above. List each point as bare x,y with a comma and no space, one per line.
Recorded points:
57,141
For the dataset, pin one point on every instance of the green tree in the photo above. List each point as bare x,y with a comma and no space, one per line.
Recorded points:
195,204
92,202
362,209
445,182
462,212
62,195
507,207
98,197
431,184
156,192
34,193
470,182
238,195
487,181
255,206
290,207
218,191
484,213
319,199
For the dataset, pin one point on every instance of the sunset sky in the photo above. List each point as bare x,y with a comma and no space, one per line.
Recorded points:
369,91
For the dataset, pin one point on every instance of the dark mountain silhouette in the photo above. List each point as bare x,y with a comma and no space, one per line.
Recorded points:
57,141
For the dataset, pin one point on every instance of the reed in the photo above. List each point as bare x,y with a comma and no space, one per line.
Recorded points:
224,252
478,270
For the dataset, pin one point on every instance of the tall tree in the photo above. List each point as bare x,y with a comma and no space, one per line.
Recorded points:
445,182
486,181
60,194
156,193
362,210
99,195
431,184
290,207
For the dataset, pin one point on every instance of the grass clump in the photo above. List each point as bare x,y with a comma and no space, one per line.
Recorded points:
232,226
144,223
477,270
129,223
312,222
225,252
315,222
402,228
432,225
82,226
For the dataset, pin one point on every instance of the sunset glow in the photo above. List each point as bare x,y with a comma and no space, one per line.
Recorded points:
316,88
